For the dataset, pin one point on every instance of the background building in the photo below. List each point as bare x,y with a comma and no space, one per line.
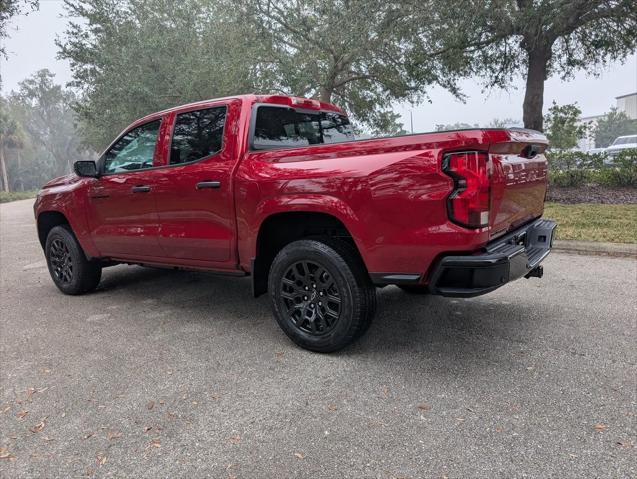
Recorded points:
626,103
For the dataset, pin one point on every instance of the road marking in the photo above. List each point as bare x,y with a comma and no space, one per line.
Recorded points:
39,264
98,317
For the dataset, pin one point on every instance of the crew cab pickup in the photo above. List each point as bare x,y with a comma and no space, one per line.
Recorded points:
277,187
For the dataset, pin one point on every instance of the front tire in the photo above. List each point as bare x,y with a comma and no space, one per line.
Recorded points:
71,272
321,294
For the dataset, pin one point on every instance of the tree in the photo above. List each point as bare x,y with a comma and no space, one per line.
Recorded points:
615,123
45,111
503,123
562,128
11,136
352,53
499,39
9,9
38,136
455,126
132,57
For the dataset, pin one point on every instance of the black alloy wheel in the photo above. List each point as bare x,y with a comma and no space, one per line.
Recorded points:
311,297
69,267
61,261
321,294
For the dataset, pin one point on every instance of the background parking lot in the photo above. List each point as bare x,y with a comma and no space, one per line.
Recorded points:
178,374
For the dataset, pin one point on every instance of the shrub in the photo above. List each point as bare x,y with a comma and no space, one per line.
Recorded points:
572,168
576,168
568,178
623,172
6,197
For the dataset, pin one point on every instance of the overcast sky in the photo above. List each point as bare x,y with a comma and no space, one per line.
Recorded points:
31,47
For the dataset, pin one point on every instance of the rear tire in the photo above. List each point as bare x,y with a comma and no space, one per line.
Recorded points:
321,294
71,272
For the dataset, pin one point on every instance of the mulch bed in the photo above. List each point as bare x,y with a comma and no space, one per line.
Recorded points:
592,194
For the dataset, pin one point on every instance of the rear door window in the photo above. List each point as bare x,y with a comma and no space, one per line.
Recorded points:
279,127
197,134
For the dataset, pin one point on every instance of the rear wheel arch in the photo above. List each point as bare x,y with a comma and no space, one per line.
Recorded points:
280,229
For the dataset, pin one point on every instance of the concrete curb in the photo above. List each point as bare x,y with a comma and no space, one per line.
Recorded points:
594,248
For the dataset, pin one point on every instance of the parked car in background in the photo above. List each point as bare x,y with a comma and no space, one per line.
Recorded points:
620,144
276,187
596,151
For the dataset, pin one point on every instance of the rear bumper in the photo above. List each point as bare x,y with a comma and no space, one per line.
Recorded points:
506,259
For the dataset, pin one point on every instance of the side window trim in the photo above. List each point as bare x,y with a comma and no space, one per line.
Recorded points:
172,133
101,162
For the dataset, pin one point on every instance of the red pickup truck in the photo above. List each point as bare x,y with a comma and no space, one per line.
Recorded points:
277,187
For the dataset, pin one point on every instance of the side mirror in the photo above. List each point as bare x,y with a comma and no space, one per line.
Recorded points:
85,168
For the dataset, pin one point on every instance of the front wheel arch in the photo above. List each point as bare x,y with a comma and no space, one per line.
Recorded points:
47,220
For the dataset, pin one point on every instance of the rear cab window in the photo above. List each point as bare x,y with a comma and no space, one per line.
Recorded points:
284,127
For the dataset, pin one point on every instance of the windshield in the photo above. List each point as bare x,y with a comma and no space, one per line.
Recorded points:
278,127
625,140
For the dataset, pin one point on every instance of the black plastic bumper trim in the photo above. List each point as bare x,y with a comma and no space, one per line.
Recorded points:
383,279
506,259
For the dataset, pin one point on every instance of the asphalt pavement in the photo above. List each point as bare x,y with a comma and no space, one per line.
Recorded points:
177,374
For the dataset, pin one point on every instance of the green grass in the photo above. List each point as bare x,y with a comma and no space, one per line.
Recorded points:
594,222
16,195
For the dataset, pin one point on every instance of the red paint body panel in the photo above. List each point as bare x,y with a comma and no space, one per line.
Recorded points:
390,193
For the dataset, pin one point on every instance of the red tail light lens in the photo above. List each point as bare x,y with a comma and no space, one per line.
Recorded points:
470,201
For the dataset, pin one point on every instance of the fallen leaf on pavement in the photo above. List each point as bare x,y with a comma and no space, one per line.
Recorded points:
156,442
279,354
21,414
150,405
626,444
499,429
5,454
299,455
601,427
6,409
101,459
38,427
332,407
235,439
424,407
113,435
386,391
30,392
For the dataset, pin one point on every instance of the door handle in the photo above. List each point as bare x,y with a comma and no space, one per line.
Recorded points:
141,189
208,184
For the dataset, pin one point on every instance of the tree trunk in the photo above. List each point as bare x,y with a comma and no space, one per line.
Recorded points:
325,95
534,95
3,168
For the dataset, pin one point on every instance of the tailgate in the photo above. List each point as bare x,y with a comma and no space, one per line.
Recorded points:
518,180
